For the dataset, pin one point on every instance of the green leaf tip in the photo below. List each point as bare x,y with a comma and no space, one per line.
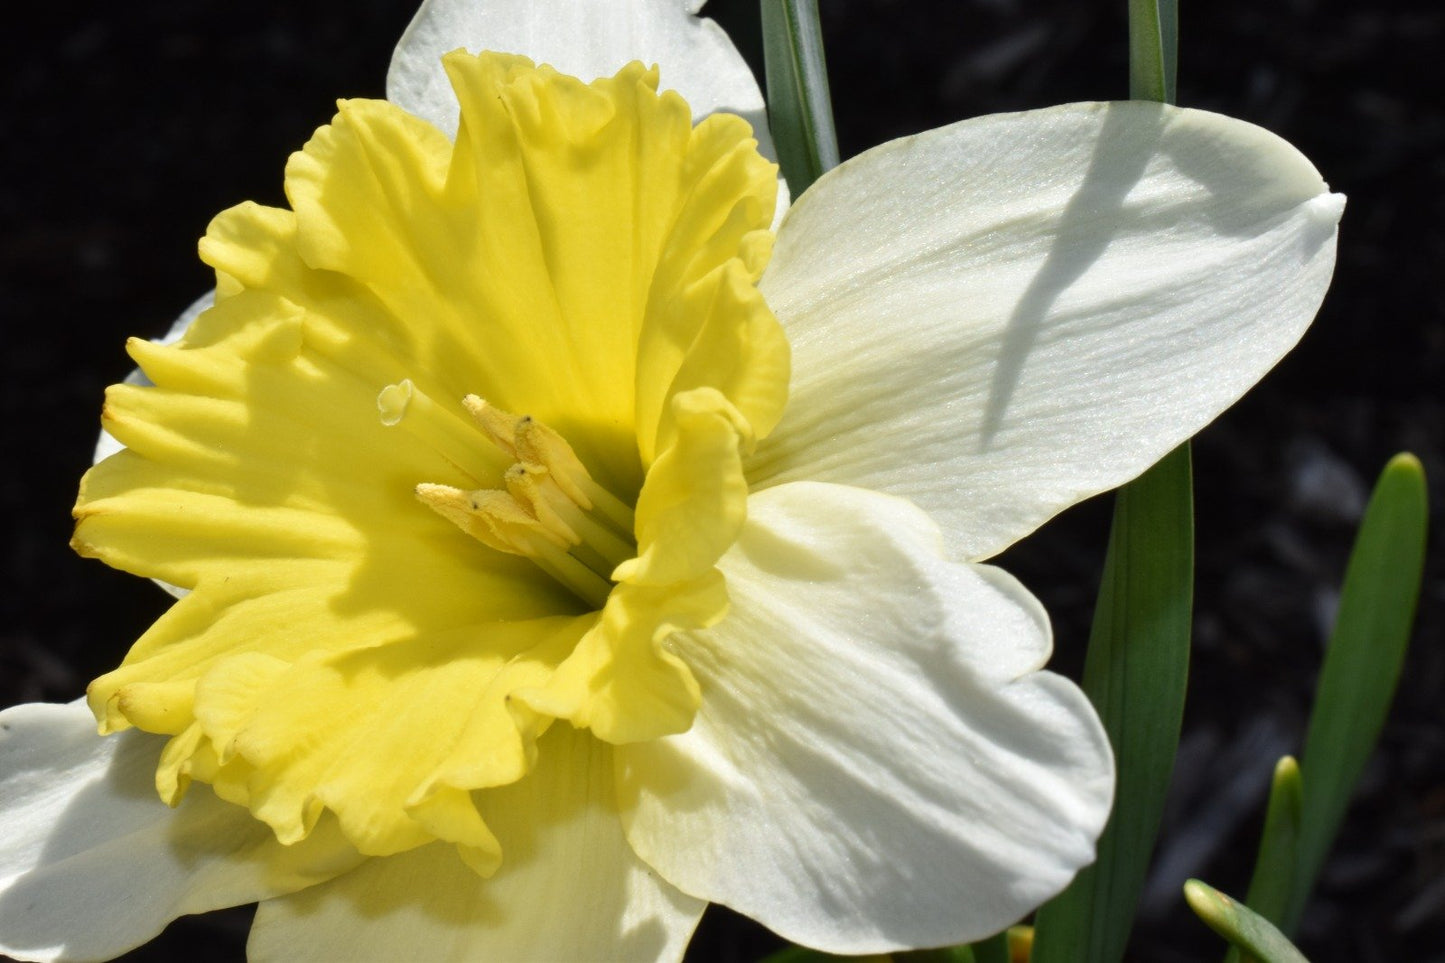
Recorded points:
1206,901
1406,461
1286,770
1272,886
1245,929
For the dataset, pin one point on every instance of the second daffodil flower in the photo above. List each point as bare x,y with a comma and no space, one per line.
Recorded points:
564,550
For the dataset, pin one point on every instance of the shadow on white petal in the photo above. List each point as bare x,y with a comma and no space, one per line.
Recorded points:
1107,203
1001,317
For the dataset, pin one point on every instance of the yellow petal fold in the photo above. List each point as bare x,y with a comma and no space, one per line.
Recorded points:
568,888
390,738
623,681
695,499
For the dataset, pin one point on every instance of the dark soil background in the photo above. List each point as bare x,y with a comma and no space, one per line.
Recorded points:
126,127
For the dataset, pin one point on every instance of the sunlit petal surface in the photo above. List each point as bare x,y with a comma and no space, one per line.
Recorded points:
877,762
999,318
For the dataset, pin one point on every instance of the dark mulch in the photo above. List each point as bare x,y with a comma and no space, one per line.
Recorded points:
128,126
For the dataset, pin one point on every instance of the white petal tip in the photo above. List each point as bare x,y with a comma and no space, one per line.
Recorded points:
1326,208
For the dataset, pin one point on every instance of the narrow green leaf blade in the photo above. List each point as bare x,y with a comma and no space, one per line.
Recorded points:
1363,662
1135,673
1255,937
1153,49
1278,856
800,110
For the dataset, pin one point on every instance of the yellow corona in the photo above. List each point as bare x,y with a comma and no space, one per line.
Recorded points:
396,586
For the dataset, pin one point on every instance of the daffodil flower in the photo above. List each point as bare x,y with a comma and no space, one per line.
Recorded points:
564,550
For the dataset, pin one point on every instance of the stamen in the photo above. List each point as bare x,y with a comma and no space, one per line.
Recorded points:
552,510
499,426
529,485
498,521
534,444
539,445
583,581
534,487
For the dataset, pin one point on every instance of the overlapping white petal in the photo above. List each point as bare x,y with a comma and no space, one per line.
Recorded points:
877,763
999,318
569,888
584,38
587,39
93,864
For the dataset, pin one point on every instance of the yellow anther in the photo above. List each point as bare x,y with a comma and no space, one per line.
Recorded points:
492,517
499,426
593,538
536,446
539,445
533,487
499,521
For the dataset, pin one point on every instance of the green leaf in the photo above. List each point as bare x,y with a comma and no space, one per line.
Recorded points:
800,112
1153,49
1252,934
992,950
1274,865
1363,662
1135,673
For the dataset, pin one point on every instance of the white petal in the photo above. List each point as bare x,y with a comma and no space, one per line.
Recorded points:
584,38
92,863
876,764
1000,318
569,888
